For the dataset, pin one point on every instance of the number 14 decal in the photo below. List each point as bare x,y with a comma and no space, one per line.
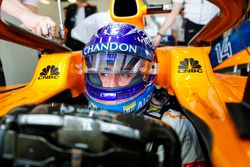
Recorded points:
223,51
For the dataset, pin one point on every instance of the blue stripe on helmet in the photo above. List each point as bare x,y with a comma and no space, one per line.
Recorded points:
130,106
119,47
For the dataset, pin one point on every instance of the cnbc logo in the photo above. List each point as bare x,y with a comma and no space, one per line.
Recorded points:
189,65
50,72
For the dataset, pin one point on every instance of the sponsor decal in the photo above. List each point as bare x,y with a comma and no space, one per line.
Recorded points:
117,47
224,50
189,65
144,101
154,109
236,42
93,106
130,108
111,46
50,72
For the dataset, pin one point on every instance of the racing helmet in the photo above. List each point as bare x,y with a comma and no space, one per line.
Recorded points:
120,68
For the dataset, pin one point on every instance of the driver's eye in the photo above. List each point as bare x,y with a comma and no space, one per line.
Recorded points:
124,75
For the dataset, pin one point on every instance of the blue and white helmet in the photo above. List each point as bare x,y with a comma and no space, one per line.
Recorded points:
119,51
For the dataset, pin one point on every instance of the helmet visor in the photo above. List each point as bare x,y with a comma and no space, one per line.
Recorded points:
118,63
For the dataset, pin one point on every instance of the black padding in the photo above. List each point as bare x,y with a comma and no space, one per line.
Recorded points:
240,114
125,8
94,79
2,77
246,98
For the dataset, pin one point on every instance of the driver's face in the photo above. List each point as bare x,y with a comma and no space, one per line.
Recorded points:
116,80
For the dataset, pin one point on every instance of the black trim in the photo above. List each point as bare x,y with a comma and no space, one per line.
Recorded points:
2,77
246,97
245,6
8,90
125,8
240,112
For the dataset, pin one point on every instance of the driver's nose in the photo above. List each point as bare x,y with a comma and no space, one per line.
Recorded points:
112,81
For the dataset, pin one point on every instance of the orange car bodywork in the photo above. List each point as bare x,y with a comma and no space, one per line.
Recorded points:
201,92
204,94
239,58
44,86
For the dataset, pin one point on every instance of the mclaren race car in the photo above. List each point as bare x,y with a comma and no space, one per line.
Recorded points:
218,104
